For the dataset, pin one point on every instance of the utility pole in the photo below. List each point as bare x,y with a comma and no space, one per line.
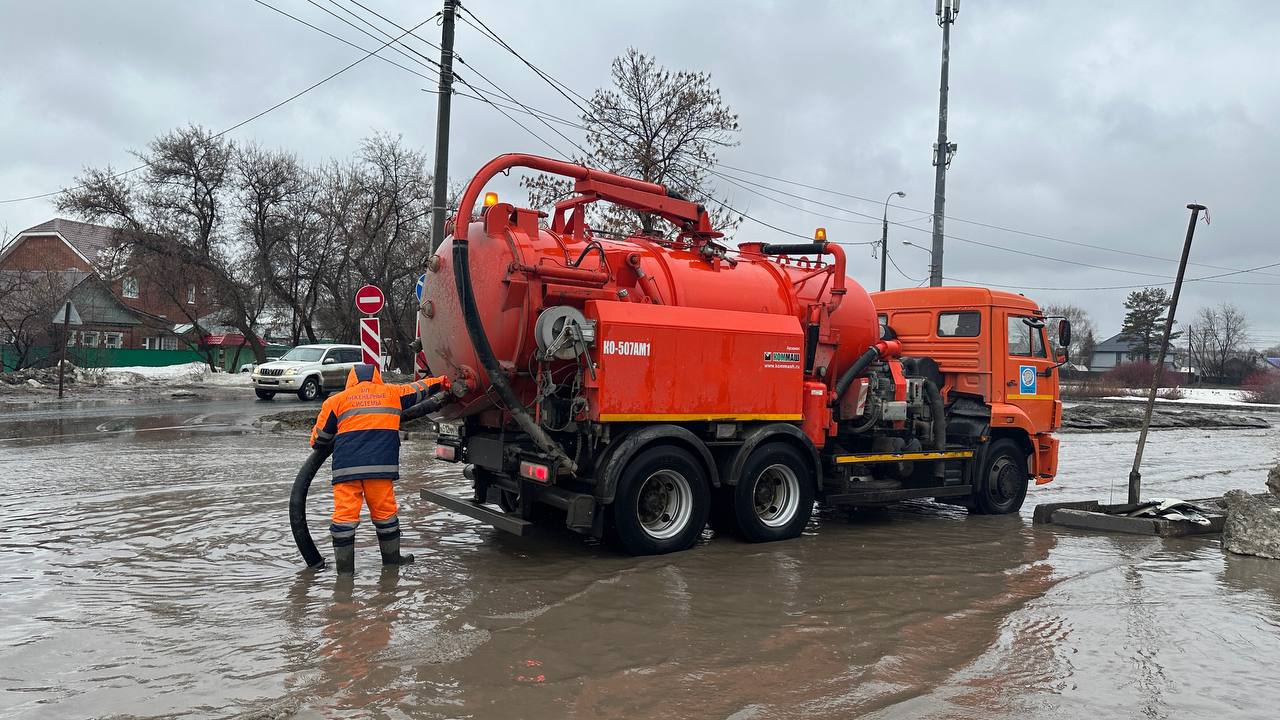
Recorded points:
884,237
1135,475
440,190
943,151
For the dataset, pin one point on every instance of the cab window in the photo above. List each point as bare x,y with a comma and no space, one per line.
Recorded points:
959,324
1025,340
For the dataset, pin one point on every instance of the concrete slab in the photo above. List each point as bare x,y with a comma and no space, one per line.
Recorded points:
1093,515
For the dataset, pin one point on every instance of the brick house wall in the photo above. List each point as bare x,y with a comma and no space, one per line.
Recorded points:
43,252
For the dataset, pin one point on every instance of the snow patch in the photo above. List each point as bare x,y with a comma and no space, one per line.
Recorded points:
191,373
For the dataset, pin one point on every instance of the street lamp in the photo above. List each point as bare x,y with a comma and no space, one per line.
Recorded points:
884,237
908,243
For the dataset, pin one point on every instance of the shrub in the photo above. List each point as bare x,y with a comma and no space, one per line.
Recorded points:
1170,393
1089,389
1262,386
1138,375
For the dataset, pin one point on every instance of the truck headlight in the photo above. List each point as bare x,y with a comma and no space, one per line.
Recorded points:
290,372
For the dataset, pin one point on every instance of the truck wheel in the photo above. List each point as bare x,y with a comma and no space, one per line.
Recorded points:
310,390
773,499
1002,480
264,394
662,502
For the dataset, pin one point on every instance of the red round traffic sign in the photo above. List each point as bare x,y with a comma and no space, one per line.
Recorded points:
369,300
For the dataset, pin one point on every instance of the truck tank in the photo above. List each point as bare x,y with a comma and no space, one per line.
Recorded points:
520,267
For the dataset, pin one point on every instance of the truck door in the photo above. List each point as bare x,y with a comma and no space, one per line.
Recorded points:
1027,362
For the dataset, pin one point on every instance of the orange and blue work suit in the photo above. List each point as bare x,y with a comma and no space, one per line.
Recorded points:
363,425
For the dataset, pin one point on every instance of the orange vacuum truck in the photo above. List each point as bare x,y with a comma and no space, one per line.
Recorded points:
640,387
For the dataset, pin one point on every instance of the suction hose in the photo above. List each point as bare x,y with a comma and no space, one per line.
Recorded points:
484,351
302,482
298,506
882,349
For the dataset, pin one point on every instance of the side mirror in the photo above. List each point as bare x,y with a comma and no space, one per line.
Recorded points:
1064,334
330,361
1060,356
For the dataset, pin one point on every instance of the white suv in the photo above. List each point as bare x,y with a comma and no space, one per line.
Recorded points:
308,370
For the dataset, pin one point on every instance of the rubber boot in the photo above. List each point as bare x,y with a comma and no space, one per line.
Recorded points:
344,557
390,547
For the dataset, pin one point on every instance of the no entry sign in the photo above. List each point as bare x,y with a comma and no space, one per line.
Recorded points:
369,300
371,341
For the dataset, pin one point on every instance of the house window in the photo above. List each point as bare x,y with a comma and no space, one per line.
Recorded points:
168,342
89,339
113,340
129,287
191,294
71,339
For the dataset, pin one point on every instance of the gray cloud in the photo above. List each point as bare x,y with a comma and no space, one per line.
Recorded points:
1091,122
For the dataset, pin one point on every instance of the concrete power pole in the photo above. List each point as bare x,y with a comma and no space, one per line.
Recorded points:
440,190
942,150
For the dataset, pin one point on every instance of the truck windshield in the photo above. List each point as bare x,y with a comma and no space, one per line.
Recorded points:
304,354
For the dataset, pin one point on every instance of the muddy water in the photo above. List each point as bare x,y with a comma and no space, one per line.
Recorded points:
146,570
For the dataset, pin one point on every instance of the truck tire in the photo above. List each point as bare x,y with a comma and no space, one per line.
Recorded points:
1001,483
773,499
310,390
662,502
264,394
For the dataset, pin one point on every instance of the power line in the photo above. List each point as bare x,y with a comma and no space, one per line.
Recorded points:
505,94
402,48
368,54
348,42
1206,278
980,243
977,223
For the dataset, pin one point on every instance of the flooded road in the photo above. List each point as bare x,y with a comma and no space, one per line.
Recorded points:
147,570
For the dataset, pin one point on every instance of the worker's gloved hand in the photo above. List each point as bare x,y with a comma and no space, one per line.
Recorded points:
445,382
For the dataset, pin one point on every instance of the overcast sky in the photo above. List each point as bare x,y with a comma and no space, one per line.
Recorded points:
1091,122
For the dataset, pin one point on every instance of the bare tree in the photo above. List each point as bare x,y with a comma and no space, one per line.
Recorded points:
1083,331
1217,335
177,212
661,126
28,301
379,209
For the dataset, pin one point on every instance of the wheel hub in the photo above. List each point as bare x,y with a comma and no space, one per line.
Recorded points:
776,495
665,504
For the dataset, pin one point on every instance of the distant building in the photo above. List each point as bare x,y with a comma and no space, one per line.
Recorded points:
160,297
1116,350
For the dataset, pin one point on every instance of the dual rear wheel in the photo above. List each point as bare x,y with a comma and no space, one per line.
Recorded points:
664,499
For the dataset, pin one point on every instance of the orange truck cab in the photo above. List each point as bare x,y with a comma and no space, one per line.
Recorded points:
991,345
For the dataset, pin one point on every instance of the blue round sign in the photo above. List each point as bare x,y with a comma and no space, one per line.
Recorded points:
422,285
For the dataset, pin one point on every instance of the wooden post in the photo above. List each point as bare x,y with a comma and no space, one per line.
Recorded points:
66,324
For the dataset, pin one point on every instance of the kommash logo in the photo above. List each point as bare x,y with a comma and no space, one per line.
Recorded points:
626,347
787,360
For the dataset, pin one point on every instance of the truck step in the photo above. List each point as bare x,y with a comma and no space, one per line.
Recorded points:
880,496
466,506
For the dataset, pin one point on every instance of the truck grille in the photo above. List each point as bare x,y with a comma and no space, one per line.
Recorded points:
271,372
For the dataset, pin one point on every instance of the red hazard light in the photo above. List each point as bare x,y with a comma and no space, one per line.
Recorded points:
446,452
534,471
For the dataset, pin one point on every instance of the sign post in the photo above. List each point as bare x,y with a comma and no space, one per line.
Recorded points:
419,357
69,317
369,300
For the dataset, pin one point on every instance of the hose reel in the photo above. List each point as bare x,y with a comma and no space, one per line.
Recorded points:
563,333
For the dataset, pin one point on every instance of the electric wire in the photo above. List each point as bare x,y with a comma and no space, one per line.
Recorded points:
990,226
368,54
